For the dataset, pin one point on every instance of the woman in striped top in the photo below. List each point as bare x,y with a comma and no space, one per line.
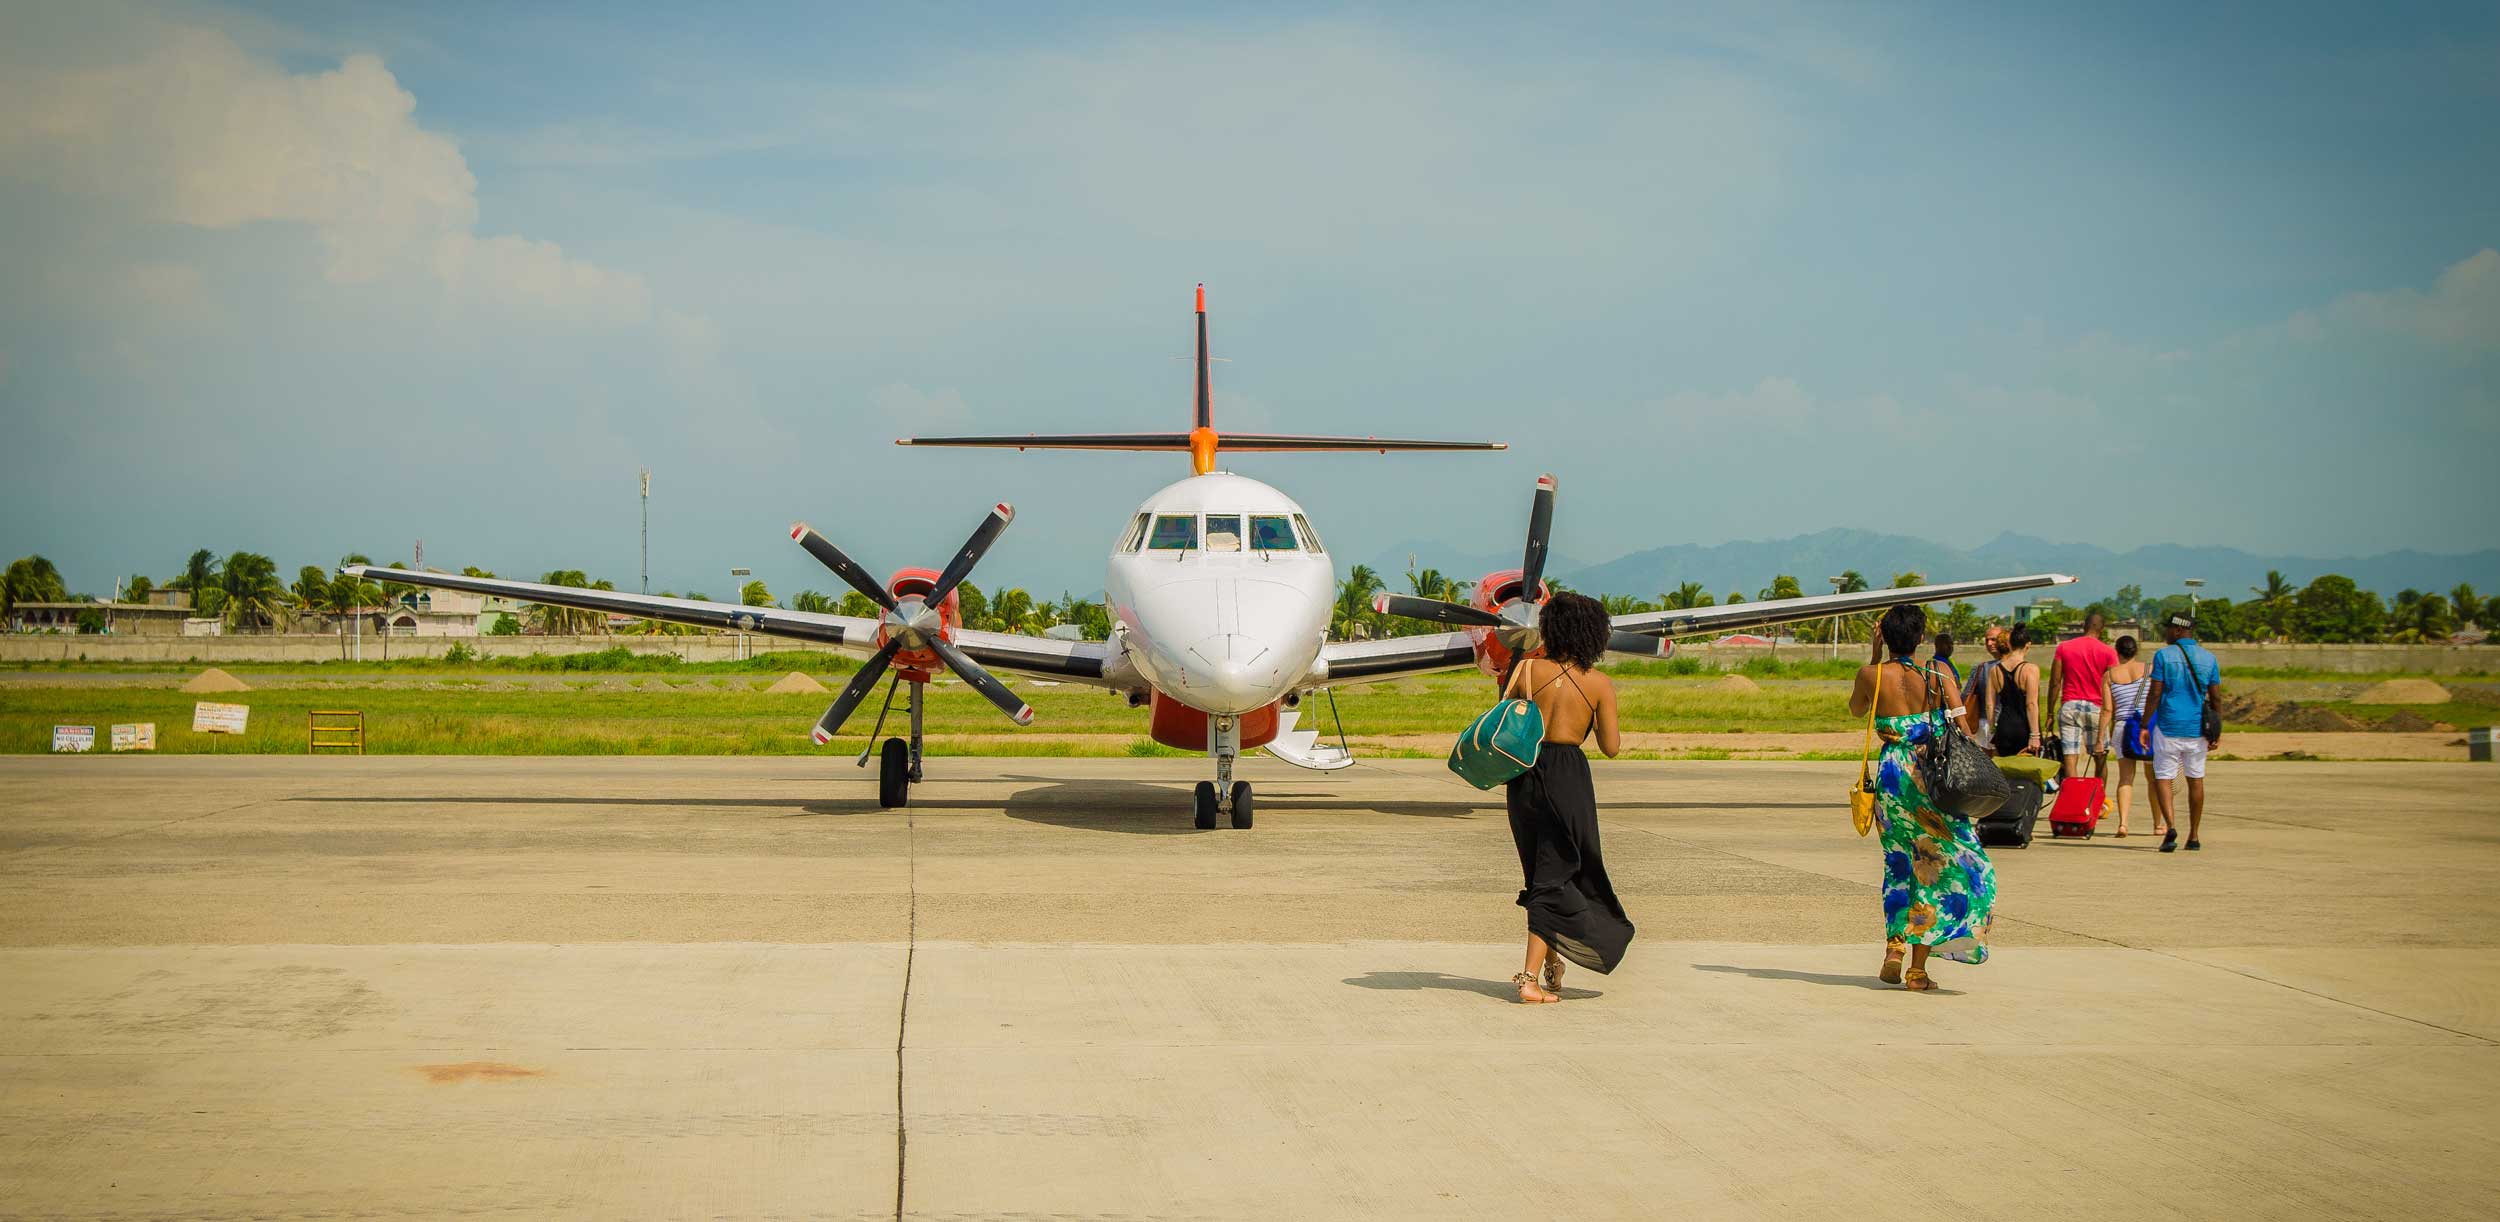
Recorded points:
2126,683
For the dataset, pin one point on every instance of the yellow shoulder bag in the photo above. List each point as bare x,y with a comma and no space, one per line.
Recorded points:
1862,796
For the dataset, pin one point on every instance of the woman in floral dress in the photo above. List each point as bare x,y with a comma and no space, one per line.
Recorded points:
1939,889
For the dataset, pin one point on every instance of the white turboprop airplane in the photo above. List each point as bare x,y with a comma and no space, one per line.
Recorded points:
1220,594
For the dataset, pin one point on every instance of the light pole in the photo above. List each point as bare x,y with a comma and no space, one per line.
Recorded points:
1833,649
738,595
646,530
2193,585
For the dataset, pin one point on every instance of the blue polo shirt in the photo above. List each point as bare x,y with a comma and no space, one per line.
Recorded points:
2182,711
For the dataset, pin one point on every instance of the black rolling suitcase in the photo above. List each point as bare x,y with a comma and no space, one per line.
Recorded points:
2010,826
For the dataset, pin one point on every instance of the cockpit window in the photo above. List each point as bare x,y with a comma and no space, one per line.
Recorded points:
1223,532
1270,533
1136,536
1310,537
1174,533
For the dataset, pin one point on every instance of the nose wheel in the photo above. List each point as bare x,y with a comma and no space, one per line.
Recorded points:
1213,803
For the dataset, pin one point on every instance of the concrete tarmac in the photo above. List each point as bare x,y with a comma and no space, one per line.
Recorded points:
601,988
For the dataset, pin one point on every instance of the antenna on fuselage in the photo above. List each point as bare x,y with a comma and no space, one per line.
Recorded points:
1201,440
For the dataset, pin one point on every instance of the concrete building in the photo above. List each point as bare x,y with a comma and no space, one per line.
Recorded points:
146,619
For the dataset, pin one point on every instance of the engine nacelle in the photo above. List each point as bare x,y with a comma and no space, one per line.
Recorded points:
1177,725
920,665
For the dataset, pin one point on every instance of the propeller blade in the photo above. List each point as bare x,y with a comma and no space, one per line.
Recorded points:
982,681
842,565
1459,614
974,548
853,692
1540,529
1635,643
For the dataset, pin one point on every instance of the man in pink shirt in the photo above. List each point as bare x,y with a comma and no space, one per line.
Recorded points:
2075,674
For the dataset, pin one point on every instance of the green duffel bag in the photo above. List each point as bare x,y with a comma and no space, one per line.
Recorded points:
1503,742
2028,767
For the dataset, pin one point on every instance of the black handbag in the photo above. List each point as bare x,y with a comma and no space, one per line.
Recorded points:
2208,713
1962,779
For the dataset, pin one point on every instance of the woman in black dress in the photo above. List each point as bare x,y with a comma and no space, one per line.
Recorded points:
1572,910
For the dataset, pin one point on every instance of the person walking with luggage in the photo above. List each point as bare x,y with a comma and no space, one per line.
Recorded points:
2126,683
2075,673
1939,890
2187,722
2013,692
1975,688
1572,910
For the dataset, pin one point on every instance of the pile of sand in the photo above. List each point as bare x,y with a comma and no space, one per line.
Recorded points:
2404,691
2406,721
1735,683
215,680
2248,707
2291,716
796,681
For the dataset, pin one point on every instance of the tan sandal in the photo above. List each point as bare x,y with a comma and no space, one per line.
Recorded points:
1529,993
1894,952
1916,980
1553,974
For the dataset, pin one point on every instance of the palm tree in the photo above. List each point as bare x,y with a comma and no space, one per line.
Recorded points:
1903,581
1353,618
2275,601
2469,608
856,605
312,588
255,597
1432,584
1687,596
140,585
32,579
567,621
1850,582
1624,604
811,601
1011,607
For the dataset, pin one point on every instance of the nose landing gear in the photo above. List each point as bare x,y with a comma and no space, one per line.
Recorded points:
1223,795
898,762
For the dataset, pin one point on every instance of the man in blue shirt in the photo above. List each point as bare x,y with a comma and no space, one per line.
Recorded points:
2186,679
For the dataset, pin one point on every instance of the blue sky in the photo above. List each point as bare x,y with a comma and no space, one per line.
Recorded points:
312,279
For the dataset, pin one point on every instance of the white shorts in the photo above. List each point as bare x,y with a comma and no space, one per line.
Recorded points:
2170,755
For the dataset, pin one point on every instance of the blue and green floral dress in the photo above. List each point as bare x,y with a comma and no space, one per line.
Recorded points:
1939,889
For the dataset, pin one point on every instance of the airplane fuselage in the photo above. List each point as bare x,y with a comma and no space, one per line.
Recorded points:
1221,592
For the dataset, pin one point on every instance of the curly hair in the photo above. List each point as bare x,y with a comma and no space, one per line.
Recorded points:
1902,627
1575,629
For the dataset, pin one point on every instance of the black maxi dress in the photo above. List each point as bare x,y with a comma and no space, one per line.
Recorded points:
1570,902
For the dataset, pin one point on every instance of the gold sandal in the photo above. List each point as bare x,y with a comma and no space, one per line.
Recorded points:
1553,974
1916,980
1524,982
1894,952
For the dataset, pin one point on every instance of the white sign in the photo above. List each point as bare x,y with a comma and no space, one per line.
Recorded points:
210,717
135,736
73,738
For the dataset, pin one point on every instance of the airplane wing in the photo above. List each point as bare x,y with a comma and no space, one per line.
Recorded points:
1696,620
1080,661
1395,657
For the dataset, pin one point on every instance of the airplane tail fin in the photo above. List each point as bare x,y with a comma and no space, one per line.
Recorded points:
1202,441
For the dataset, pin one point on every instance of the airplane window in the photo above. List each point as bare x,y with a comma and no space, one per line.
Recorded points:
1174,533
1270,533
1223,532
1310,537
1136,534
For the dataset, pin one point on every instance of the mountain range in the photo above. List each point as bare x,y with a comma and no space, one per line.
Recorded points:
1748,566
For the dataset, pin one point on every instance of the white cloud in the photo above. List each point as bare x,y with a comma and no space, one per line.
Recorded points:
2461,310
185,127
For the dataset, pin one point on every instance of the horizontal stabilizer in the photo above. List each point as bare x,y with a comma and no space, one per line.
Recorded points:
1181,441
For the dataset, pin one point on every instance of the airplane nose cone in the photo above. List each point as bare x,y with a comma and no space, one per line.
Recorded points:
1231,673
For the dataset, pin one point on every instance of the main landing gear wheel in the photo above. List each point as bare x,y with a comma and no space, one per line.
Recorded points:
894,774
1241,805
1206,806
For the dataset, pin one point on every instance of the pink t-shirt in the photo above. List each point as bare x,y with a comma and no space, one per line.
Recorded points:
2082,661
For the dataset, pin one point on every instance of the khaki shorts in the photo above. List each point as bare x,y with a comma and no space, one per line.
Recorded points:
2078,722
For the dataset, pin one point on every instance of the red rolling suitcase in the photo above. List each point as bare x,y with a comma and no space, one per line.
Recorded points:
2080,802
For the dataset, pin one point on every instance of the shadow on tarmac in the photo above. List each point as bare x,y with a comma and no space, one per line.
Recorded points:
1499,990
1823,978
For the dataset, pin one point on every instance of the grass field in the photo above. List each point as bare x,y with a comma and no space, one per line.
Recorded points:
720,709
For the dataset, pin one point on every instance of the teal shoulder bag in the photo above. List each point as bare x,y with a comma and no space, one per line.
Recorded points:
1503,742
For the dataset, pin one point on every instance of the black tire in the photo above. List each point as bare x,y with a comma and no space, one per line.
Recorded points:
1206,806
1241,805
894,774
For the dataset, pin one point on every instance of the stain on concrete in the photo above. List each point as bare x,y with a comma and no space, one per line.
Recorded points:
475,1071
